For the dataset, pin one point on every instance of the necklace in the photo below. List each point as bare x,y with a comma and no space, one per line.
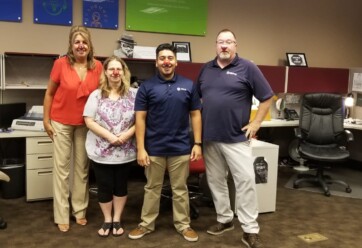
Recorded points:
80,66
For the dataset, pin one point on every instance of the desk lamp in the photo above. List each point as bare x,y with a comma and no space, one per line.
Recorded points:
348,103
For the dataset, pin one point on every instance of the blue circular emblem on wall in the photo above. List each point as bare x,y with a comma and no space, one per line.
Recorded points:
54,7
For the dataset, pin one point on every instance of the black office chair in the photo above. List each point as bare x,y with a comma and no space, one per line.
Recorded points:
3,177
322,138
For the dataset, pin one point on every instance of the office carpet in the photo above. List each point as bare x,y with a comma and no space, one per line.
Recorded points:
30,224
352,176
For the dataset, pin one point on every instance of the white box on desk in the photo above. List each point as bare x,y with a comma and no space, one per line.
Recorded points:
267,191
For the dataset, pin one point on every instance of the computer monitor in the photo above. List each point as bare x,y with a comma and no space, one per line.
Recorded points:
9,112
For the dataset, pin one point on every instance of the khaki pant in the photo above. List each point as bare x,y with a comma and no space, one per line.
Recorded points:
70,156
178,170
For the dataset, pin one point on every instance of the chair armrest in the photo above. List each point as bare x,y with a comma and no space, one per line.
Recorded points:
4,177
349,135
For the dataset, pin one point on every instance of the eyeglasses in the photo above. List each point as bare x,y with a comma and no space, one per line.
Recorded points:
114,69
226,42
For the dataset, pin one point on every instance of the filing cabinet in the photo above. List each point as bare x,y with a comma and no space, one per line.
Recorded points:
39,168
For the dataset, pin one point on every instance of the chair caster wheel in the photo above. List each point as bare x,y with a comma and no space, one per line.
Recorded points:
327,193
194,216
3,224
348,190
295,186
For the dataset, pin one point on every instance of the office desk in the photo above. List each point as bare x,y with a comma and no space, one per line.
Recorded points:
38,162
281,132
280,123
295,123
22,134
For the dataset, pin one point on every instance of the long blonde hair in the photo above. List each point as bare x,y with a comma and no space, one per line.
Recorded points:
126,78
84,32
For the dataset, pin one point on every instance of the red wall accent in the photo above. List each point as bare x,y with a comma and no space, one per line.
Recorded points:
300,79
189,70
314,79
275,76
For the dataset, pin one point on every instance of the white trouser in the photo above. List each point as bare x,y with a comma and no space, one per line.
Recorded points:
236,157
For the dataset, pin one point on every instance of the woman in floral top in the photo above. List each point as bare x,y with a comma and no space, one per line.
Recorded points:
109,115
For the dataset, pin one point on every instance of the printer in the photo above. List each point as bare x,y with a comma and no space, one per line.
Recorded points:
31,121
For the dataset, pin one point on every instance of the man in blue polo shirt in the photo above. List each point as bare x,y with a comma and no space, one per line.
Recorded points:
164,105
226,86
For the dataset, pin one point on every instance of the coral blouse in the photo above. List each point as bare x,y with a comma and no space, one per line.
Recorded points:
72,93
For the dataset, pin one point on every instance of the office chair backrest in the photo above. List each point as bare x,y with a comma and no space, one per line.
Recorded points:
321,118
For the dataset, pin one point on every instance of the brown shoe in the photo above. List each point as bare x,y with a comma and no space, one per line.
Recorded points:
252,240
220,228
190,235
138,232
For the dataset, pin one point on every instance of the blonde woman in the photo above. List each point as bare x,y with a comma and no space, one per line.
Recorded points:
110,117
72,79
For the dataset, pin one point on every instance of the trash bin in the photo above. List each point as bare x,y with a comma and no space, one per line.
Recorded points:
16,187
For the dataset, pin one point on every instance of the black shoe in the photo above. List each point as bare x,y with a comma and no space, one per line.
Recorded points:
252,240
220,228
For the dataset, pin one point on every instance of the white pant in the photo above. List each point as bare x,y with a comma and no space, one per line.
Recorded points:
219,159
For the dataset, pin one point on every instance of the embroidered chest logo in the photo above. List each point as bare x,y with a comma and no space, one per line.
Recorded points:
181,89
231,73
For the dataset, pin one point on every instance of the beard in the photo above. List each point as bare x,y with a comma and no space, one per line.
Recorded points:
224,56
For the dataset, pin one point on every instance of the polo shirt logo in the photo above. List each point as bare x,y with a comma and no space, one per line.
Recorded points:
231,73
181,89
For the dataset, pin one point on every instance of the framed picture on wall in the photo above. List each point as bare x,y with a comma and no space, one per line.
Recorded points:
183,50
297,59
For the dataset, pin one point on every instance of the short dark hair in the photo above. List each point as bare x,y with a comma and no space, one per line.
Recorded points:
165,46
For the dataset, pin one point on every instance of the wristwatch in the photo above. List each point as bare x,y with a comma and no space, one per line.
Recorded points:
198,144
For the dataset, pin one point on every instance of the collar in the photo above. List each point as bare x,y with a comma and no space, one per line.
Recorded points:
163,81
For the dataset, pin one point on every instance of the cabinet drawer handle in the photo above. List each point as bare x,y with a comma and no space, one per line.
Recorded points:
45,173
45,157
42,143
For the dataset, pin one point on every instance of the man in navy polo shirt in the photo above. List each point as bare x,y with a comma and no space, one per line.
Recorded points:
164,105
226,86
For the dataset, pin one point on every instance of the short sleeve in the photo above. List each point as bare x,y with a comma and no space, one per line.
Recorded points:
141,99
90,107
55,73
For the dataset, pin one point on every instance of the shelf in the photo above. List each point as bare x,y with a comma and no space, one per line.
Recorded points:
26,70
25,87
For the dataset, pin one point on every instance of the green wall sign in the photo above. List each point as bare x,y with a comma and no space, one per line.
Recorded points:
167,16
